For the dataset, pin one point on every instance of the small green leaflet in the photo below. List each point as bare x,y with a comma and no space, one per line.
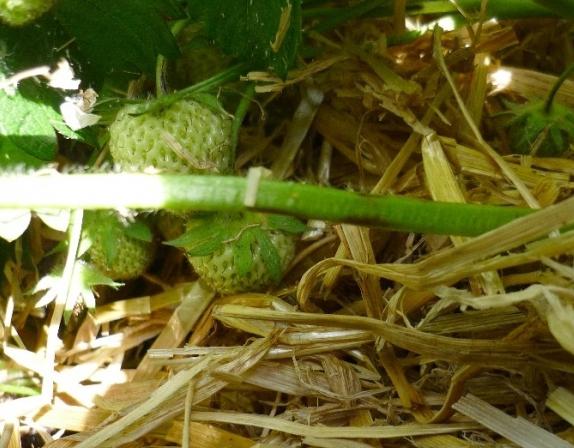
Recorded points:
266,33
532,121
120,35
286,224
84,279
139,231
109,241
242,253
269,254
203,239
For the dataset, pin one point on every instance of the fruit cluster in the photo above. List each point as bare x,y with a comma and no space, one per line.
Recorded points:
231,252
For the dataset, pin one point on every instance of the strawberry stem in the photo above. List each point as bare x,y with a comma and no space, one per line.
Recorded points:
230,74
227,193
556,87
240,112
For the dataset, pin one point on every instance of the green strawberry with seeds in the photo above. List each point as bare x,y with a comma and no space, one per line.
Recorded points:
240,252
198,61
119,250
23,12
538,131
183,137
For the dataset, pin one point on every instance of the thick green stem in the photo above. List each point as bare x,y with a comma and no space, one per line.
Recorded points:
240,112
227,193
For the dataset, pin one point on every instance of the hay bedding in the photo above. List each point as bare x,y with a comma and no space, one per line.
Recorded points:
374,338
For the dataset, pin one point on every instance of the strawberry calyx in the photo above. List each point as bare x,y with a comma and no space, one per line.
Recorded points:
542,128
536,130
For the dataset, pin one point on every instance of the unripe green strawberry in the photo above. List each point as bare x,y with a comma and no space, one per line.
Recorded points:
199,59
536,131
240,252
184,137
120,251
221,271
198,62
22,12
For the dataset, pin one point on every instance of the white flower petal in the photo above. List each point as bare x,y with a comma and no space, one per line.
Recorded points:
75,117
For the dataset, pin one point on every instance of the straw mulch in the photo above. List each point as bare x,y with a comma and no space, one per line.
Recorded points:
374,338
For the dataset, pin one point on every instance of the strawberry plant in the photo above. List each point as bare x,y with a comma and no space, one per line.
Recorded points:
542,128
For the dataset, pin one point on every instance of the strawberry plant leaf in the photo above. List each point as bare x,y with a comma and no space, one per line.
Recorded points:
286,224
109,240
203,239
242,254
40,43
84,279
28,136
269,254
139,231
265,33
120,35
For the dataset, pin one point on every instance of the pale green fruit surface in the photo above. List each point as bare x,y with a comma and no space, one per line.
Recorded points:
113,251
185,137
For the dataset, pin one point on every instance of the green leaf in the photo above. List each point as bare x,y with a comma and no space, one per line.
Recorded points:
286,224
41,43
83,281
203,239
109,240
120,35
249,29
139,230
12,154
242,253
269,254
85,277
27,134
